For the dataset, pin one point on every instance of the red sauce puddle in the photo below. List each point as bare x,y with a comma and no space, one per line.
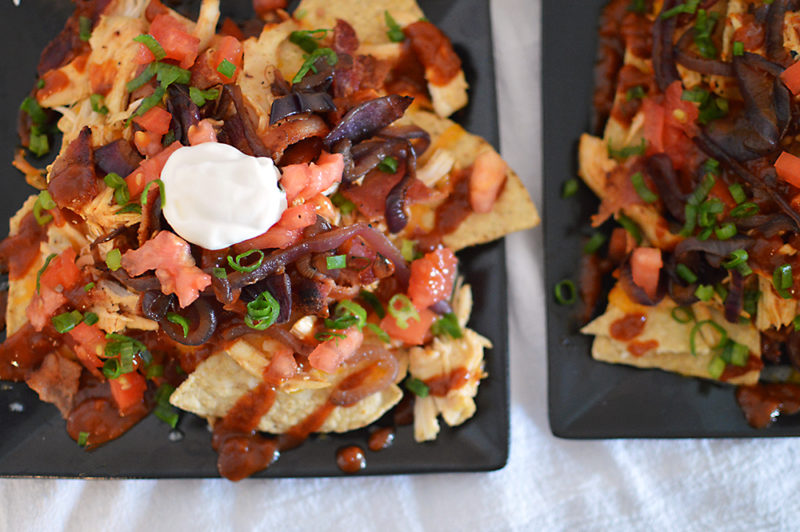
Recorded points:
628,327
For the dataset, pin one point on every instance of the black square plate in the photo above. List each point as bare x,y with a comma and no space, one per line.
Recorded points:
589,399
34,442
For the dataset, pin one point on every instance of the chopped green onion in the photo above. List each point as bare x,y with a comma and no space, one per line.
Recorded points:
408,249
324,336
200,97
84,28
405,312
152,44
114,259
168,74
796,323
447,324
150,102
177,319
704,292
40,83
122,194
42,269
725,231
705,233
630,226
699,325
336,262
220,273
236,264
347,314
97,103
164,410
308,40
39,145
685,273
416,386
701,192
737,193
642,189
43,202
111,368
690,212
694,95
635,93
751,302
627,151
716,367
782,280
739,354
91,318
143,78
83,438
571,294
226,68
744,210
570,188
130,208
88,286
380,333
146,192
738,257
703,28
594,243
688,7
707,215
713,109
388,165
154,370
66,321
31,106
373,302
343,204
721,291
682,314
738,48
262,312
638,6
308,65
395,32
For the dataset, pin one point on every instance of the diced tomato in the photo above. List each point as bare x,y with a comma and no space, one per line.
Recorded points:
90,344
416,331
791,77
154,8
171,258
653,125
680,114
263,7
148,143
178,43
156,119
284,233
620,244
43,306
669,125
788,168
282,366
432,277
143,55
61,272
304,181
128,391
646,266
150,169
202,132
329,354
487,177
231,49
721,192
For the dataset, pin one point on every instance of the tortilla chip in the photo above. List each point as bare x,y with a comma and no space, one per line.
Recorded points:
513,210
773,310
215,386
366,16
673,352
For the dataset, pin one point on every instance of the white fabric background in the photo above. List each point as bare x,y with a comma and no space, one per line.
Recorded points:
549,484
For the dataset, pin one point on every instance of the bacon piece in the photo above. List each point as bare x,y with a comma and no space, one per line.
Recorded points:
345,40
56,381
434,50
171,258
73,182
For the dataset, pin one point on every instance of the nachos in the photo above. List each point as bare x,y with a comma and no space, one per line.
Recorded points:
255,222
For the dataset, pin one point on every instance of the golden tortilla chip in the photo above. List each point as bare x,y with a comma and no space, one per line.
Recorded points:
673,351
513,210
366,16
215,386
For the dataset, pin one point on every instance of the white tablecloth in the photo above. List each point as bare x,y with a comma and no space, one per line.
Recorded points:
548,484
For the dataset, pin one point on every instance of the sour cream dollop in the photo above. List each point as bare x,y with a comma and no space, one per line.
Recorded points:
217,196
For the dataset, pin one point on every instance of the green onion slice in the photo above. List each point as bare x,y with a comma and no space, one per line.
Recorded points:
122,194
220,273
737,193
380,333
630,226
83,438
226,68
152,44
262,312
570,188
388,165
395,32
447,325
642,190
704,292
308,40
744,210
716,367
91,318
698,326
404,312
177,319
683,314
308,65
738,257
146,192
44,202
685,273
416,386
594,243
566,292
336,262
84,28
200,97
725,231
782,280
236,263
66,321
373,302
42,269
114,259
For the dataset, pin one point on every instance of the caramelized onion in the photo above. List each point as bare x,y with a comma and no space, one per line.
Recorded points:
298,103
634,291
379,371
663,52
202,323
363,121
734,302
